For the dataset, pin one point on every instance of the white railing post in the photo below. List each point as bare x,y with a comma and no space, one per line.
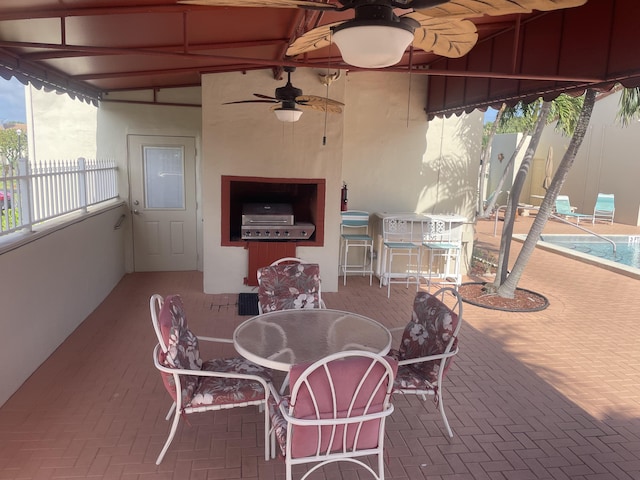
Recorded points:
24,188
82,183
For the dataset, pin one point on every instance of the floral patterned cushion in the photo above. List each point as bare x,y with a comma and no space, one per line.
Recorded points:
278,422
283,287
184,353
223,390
428,333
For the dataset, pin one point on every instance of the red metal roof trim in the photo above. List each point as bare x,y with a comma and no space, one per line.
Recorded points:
597,41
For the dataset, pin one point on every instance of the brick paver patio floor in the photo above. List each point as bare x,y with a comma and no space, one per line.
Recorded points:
553,394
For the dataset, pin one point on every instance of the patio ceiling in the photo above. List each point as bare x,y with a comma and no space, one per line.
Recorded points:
89,47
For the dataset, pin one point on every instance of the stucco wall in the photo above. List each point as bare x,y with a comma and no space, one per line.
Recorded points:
118,120
606,163
60,128
390,157
51,285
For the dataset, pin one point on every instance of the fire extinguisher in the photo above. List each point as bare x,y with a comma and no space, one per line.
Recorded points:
343,197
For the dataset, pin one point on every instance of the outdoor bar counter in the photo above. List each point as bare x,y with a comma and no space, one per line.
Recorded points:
455,222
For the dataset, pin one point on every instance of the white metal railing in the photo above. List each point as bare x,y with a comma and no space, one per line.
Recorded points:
42,191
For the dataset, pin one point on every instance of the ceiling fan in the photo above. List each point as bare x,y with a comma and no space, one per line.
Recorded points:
377,36
287,99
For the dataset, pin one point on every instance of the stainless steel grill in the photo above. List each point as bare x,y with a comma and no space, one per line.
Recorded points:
272,221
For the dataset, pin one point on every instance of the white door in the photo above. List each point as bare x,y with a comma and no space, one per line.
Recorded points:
163,202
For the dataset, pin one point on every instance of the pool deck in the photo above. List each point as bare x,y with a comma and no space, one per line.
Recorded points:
553,394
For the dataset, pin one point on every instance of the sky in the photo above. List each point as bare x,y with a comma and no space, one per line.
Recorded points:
490,115
12,106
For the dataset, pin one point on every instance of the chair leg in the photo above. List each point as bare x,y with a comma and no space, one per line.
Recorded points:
172,432
267,449
444,415
170,412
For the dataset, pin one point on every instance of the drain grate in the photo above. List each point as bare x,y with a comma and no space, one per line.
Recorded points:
248,304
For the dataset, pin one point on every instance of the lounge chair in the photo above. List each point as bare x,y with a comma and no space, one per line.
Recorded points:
605,208
563,207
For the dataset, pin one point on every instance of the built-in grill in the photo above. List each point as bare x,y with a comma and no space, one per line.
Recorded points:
272,221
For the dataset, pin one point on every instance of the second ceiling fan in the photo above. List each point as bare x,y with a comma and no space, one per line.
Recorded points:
289,102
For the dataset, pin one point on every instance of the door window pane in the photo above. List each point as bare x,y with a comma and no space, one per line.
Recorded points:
164,177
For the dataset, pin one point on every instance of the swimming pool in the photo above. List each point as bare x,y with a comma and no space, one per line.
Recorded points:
594,250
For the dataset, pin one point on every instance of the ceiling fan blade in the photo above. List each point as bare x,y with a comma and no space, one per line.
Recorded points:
477,8
307,4
314,39
267,97
320,104
448,37
251,101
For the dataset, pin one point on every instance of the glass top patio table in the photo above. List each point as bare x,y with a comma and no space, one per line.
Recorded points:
280,339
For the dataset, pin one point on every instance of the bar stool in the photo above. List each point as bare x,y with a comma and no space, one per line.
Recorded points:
437,240
398,241
356,221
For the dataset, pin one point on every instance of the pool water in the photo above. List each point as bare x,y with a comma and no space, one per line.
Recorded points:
627,247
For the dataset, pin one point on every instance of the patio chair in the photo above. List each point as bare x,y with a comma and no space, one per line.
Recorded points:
336,412
398,241
289,283
195,385
605,208
354,233
563,207
429,343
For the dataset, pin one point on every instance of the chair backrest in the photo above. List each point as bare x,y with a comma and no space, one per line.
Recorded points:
287,261
349,391
397,229
433,330
563,205
179,347
354,219
285,286
436,231
605,204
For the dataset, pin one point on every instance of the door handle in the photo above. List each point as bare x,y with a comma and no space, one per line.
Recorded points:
136,212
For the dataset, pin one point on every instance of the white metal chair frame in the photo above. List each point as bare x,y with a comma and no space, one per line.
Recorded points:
437,240
291,261
354,233
335,418
398,241
604,208
155,304
444,358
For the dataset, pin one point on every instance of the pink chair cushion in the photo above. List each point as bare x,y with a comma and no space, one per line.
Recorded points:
283,287
428,333
346,375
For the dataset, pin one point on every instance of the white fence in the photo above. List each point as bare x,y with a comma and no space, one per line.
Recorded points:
46,190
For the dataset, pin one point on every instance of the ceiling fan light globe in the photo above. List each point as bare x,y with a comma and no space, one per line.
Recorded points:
373,46
288,115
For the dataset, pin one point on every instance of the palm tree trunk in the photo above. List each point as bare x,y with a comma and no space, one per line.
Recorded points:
508,287
512,205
